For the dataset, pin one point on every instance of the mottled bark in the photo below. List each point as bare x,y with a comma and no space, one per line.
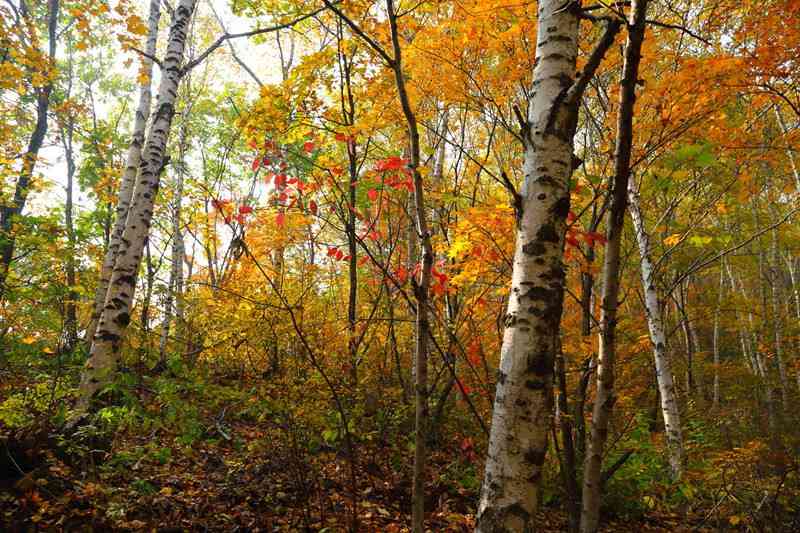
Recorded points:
132,163
523,405
655,324
173,303
100,367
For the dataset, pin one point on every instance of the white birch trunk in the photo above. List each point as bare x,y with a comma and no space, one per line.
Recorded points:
101,365
132,162
653,310
523,405
174,299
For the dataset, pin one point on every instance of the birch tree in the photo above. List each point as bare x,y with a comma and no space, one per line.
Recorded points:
116,314
523,402
654,313
132,163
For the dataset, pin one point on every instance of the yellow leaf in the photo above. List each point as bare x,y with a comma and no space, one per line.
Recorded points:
735,520
673,239
29,340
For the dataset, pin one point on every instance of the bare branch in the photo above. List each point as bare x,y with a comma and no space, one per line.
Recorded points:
189,66
575,92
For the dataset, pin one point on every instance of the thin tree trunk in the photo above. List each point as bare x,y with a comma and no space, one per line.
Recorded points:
71,300
615,223
658,338
523,406
132,163
421,290
789,152
174,299
717,313
100,367
569,467
776,284
11,210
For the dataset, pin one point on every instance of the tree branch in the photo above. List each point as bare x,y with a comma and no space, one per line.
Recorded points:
358,31
154,59
684,29
575,92
189,66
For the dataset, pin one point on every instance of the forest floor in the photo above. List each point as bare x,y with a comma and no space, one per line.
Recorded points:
186,459
219,488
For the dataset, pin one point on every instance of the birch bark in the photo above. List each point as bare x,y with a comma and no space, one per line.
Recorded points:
132,163
174,299
523,405
116,314
655,324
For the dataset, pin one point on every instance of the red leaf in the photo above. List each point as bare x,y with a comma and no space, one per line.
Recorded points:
312,206
308,146
240,219
245,209
227,219
339,255
363,260
283,197
332,251
341,137
280,181
280,219
572,241
401,274
373,194
391,163
256,164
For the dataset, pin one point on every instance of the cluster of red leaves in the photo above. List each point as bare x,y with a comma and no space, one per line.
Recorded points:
230,212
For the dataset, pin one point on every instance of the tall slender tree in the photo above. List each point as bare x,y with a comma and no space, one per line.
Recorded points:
116,315
132,164
523,402
10,211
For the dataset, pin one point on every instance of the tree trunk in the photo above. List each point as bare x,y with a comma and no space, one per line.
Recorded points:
10,211
776,286
174,299
717,313
71,299
132,164
421,288
100,367
615,223
658,338
523,405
